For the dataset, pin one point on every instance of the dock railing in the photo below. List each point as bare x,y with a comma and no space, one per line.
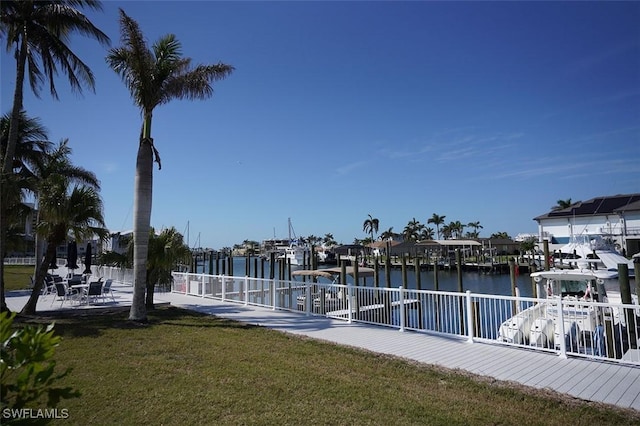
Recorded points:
475,317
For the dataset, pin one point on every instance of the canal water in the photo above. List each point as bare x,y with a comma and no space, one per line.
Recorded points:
476,282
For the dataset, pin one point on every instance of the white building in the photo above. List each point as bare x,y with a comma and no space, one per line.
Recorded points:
612,219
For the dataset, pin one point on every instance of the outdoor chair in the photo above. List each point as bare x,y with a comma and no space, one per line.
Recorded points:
94,291
64,294
106,289
48,287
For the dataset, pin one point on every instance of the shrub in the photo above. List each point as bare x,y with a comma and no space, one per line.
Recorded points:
26,366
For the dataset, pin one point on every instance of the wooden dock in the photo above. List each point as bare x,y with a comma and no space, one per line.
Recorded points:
616,384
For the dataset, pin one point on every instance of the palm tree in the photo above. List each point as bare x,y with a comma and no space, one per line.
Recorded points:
154,77
32,144
370,226
457,228
78,213
563,204
437,220
529,246
328,240
166,251
388,234
475,225
500,235
412,231
61,212
426,234
39,32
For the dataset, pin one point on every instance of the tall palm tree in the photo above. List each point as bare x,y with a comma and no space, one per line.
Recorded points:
437,220
456,229
77,214
38,32
475,225
328,240
371,226
62,211
388,234
412,231
32,144
154,76
426,234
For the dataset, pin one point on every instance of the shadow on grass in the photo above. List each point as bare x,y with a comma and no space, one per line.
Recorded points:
92,322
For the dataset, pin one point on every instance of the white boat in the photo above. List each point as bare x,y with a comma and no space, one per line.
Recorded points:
583,320
294,254
595,251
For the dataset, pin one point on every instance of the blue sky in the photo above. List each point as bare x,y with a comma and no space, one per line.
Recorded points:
485,111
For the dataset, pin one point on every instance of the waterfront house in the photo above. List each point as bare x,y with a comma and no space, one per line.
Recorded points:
611,219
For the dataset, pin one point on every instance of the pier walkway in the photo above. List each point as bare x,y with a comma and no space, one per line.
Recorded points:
610,383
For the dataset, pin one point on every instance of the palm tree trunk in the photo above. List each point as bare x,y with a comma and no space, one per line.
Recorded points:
149,300
7,165
3,234
141,226
38,282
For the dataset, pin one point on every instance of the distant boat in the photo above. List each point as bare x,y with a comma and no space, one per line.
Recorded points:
294,254
594,251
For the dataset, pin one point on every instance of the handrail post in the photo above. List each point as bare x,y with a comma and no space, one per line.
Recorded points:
186,284
273,295
349,304
224,287
246,290
470,318
563,343
307,298
402,316
202,284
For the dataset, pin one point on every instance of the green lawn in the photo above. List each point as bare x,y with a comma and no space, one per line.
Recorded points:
189,368
17,277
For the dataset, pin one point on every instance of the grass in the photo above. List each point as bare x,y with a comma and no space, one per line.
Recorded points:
17,277
189,368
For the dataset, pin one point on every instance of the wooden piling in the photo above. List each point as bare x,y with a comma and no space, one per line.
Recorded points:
404,271
625,295
416,266
272,268
545,245
387,267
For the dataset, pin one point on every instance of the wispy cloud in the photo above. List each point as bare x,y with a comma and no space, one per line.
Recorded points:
348,168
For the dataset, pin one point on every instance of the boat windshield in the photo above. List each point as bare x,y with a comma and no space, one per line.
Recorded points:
572,288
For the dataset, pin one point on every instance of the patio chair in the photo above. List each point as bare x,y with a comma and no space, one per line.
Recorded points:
106,289
94,291
64,293
48,287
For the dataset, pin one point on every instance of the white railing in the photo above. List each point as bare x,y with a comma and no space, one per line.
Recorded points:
119,275
19,260
503,320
